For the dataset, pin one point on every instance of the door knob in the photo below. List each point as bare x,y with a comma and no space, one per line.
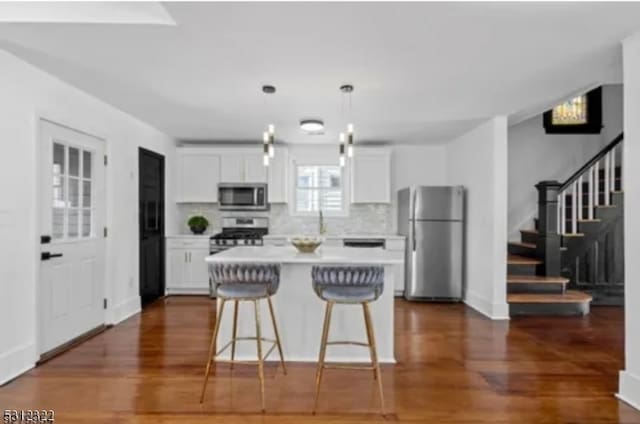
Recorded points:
45,256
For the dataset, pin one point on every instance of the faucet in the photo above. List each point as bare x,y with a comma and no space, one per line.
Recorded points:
322,227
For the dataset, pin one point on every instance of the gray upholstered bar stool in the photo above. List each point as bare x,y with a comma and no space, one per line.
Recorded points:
244,282
348,285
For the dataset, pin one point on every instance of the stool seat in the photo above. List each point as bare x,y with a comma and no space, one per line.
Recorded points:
242,291
346,294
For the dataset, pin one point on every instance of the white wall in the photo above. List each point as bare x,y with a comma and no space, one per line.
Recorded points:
478,161
535,156
630,378
28,93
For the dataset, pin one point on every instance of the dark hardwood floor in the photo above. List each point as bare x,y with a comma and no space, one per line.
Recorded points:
454,366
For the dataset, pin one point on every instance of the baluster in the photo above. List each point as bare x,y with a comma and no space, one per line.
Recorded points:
606,179
563,213
613,170
559,214
590,212
596,185
574,207
621,166
580,202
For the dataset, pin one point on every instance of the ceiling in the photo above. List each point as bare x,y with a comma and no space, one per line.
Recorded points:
423,72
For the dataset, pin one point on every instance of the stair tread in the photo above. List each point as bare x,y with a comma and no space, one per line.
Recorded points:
530,231
522,260
573,235
570,296
521,244
535,279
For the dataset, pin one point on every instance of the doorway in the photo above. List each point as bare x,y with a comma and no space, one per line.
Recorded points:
151,213
71,290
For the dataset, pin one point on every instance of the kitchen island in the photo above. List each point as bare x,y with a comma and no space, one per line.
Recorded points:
299,312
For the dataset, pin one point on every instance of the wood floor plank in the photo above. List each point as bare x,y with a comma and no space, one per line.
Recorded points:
454,366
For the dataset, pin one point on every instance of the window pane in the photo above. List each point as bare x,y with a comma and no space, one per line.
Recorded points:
86,223
86,164
74,161
307,200
86,194
57,223
319,188
74,218
74,192
59,192
571,112
58,159
306,176
331,200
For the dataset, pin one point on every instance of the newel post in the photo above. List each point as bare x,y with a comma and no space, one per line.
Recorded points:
548,246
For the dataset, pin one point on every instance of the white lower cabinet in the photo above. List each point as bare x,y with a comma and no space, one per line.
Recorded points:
187,272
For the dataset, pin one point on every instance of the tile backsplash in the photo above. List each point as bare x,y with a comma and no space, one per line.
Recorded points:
363,218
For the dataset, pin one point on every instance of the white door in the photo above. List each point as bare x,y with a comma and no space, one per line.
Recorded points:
72,197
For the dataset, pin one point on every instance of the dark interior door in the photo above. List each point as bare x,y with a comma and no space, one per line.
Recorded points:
151,213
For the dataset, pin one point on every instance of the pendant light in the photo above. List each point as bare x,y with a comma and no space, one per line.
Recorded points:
348,90
268,137
343,160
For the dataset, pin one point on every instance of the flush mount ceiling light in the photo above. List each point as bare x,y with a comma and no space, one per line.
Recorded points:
311,125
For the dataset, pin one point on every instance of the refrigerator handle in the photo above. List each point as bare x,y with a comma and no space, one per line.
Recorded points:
413,221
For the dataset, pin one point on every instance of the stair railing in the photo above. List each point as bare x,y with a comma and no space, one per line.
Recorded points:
573,186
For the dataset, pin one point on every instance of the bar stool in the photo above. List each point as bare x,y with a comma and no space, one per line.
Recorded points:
348,285
244,282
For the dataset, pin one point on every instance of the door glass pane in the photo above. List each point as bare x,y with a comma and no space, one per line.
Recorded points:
58,192
58,159
74,192
74,161
86,164
57,223
74,221
86,223
86,194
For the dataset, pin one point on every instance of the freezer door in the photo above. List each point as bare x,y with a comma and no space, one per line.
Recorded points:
434,261
438,203
404,205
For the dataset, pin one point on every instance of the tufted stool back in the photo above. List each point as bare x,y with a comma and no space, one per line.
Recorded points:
245,280
348,284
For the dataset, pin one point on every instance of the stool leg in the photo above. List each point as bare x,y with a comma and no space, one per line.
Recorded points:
256,307
373,352
212,349
275,330
323,351
235,331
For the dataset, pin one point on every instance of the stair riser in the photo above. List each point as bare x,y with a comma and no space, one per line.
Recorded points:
521,269
522,251
529,238
564,309
535,288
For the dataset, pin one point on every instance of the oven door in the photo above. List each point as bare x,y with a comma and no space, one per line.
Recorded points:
242,197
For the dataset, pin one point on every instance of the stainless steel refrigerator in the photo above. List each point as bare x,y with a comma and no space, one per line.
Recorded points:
432,220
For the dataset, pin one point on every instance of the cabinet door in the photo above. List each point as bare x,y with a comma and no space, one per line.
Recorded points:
254,169
278,176
198,270
199,176
232,168
370,177
176,268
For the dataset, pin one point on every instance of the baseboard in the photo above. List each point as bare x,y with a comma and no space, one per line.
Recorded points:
494,311
126,309
170,291
16,361
629,391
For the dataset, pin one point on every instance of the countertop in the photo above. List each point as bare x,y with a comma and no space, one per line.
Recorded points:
324,255
339,237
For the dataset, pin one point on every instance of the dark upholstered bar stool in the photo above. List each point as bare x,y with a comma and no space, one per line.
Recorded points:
244,282
348,285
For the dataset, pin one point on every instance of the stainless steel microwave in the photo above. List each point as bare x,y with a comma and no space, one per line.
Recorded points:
242,197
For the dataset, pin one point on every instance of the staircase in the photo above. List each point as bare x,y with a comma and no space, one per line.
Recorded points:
574,256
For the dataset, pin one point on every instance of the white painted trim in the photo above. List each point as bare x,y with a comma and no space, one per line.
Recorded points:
493,311
125,310
17,361
629,391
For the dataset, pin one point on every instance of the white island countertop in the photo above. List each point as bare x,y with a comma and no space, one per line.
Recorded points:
339,237
324,255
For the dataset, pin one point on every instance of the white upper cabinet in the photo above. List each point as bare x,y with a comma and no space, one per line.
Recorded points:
254,169
371,175
231,168
279,176
198,176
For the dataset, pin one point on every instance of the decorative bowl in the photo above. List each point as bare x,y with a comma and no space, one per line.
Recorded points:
306,244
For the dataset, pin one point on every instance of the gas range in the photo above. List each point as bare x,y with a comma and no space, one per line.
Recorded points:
239,231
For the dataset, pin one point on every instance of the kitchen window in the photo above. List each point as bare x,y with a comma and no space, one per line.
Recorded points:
319,188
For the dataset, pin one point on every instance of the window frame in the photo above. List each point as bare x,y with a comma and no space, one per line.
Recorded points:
293,189
594,118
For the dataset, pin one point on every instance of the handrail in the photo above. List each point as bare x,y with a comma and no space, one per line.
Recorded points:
602,153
